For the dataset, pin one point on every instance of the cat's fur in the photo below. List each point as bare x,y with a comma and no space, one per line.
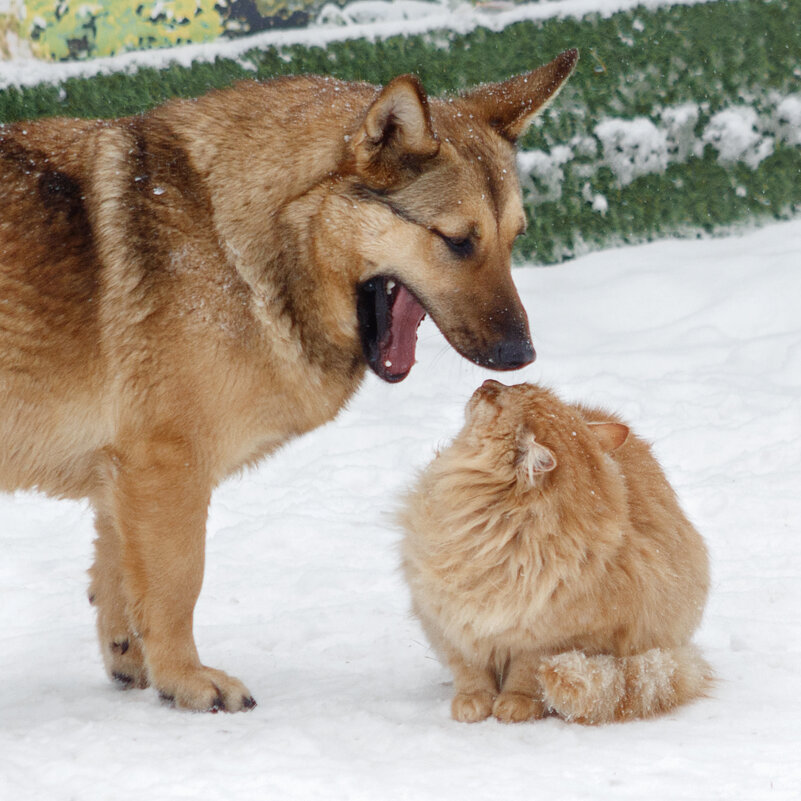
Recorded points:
552,567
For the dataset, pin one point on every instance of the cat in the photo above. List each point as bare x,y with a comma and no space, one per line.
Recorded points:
552,567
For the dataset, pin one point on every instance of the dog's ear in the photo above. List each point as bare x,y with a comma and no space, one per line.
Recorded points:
610,435
396,135
533,459
510,106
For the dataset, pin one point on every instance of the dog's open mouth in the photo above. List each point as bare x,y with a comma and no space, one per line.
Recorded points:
389,316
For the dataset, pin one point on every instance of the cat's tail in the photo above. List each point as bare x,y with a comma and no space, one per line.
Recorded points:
604,688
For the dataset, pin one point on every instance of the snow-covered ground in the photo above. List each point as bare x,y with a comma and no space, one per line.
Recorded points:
697,343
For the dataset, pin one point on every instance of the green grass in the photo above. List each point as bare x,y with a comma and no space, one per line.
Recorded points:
716,55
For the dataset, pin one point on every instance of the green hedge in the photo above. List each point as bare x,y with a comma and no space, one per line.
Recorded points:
634,64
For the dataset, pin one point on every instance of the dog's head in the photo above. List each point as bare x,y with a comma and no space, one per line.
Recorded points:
443,211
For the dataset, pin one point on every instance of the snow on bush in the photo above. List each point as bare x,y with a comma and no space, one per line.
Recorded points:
788,120
679,123
737,136
632,148
598,201
541,172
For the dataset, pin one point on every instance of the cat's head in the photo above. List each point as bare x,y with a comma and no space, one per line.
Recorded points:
529,429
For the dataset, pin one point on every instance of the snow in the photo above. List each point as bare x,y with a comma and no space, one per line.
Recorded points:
696,343
735,134
679,122
540,173
788,119
632,148
366,12
599,203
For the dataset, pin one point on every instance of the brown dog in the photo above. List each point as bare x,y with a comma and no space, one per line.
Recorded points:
182,292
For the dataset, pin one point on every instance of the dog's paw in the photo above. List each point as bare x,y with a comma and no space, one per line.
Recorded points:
472,707
125,662
204,689
517,707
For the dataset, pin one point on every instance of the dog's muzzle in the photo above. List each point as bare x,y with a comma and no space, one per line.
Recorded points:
512,355
509,349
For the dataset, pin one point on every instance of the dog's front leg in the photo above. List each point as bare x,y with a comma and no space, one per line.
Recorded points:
160,496
121,648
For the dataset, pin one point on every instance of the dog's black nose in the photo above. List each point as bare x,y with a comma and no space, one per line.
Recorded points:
512,354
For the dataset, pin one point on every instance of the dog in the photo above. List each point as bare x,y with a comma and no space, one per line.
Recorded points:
182,292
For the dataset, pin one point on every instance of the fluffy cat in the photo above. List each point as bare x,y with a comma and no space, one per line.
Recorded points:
552,567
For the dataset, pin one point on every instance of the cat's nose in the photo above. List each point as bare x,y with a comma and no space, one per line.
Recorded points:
490,389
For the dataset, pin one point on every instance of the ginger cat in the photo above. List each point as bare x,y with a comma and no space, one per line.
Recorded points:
552,567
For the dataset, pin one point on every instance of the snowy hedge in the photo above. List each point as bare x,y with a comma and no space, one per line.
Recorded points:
679,119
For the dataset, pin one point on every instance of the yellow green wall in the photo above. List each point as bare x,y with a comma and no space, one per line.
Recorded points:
74,29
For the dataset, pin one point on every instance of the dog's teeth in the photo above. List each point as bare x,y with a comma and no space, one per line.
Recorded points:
390,286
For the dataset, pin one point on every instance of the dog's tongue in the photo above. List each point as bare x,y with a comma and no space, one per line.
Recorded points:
397,346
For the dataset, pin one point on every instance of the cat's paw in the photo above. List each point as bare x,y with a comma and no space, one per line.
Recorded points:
472,707
517,707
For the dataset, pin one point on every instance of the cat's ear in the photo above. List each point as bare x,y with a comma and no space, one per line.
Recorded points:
533,459
610,435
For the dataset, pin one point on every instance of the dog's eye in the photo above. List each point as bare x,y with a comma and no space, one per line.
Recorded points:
459,246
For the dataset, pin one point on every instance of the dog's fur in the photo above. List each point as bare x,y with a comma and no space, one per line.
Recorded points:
184,291
552,567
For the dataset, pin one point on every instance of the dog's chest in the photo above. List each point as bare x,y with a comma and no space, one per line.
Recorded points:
288,402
